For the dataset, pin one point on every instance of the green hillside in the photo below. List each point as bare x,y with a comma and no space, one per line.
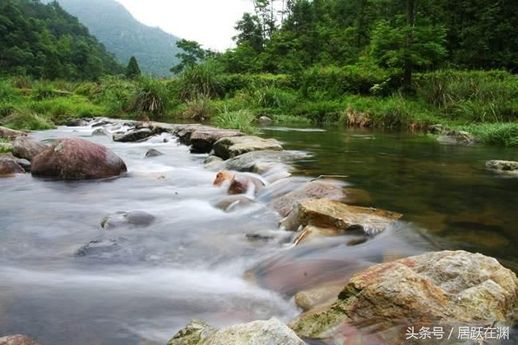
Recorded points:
124,36
44,41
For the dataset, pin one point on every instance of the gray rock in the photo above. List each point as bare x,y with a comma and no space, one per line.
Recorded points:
214,163
27,148
9,165
456,138
98,248
100,132
270,332
77,123
259,161
17,339
153,153
231,147
202,140
131,219
133,135
503,167
265,120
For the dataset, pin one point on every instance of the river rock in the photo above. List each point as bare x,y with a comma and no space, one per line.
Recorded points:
271,332
131,218
184,132
259,161
503,167
153,153
9,166
265,121
77,159
202,140
234,146
344,218
98,248
328,189
456,137
232,202
321,295
100,131
133,135
447,287
10,133
311,232
213,163
17,339
27,148
77,123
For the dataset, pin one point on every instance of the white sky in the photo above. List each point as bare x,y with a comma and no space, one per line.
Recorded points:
210,22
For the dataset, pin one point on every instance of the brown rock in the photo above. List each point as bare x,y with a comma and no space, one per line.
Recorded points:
332,190
9,165
345,218
319,296
17,339
311,232
77,159
448,287
27,148
10,133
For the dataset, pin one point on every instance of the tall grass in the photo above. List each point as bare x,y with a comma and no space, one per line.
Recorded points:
27,119
242,120
200,81
151,99
502,134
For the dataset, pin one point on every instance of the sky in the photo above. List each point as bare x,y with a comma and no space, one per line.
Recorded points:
209,22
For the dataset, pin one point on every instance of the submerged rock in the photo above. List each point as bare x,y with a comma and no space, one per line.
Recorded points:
202,140
213,163
98,248
311,232
343,218
321,295
10,133
131,218
456,137
503,167
27,148
17,339
153,153
77,159
448,287
9,166
100,132
232,202
331,190
231,147
271,332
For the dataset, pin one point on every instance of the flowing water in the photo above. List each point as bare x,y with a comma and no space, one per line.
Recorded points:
141,284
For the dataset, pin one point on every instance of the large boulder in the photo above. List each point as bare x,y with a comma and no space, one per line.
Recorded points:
271,332
343,218
203,139
257,161
27,148
503,167
77,159
184,132
447,287
317,189
17,339
10,133
234,146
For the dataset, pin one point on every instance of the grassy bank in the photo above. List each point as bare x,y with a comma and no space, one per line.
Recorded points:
484,103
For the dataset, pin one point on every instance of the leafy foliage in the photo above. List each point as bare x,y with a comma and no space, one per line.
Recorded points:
132,70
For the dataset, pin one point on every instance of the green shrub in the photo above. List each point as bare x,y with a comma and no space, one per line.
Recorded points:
8,92
5,146
290,119
233,83
28,120
320,111
115,94
198,109
62,109
242,120
151,99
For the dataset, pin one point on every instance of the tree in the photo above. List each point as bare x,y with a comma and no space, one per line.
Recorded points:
192,55
250,32
132,70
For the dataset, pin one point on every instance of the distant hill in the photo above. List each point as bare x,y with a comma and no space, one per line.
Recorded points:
124,36
44,41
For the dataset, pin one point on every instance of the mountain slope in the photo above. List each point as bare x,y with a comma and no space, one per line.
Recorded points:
124,36
44,41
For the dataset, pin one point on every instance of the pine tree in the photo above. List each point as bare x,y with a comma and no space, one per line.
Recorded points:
133,70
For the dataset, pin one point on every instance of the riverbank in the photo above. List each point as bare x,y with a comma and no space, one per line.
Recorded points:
482,103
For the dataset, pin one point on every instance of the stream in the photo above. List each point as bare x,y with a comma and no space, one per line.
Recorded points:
142,284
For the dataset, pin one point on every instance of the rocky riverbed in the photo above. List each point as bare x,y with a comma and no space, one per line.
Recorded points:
293,237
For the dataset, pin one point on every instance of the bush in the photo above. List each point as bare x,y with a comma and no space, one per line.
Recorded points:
198,109
233,83
320,111
151,99
475,96
242,120
114,94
